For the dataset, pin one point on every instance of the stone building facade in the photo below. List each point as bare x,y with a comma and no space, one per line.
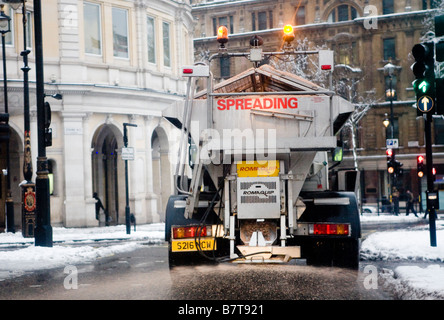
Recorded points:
114,62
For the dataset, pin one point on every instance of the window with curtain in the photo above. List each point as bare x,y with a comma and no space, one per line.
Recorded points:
92,28
120,33
262,20
10,35
439,130
388,6
389,49
224,67
226,21
346,53
151,40
300,16
166,44
342,13
388,130
29,35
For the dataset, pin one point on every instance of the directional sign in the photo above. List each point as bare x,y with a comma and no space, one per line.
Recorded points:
425,104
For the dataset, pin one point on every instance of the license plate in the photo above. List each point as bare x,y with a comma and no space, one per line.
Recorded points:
191,245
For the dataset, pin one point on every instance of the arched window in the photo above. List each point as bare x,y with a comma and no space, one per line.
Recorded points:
342,13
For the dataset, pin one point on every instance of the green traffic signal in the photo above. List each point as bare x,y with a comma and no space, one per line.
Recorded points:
421,86
424,86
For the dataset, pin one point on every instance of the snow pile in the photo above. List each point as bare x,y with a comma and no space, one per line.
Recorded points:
27,257
416,283
18,262
150,232
409,282
368,218
403,245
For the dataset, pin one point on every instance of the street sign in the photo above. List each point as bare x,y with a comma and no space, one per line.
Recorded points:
392,143
127,153
425,104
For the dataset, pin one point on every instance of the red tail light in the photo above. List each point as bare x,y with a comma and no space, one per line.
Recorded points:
191,232
330,229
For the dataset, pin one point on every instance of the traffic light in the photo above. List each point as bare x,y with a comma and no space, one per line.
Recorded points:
390,161
424,71
398,168
4,127
420,166
47,123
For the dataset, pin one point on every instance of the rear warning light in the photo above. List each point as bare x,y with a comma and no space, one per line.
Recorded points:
326,67
196,71
191,232
342,229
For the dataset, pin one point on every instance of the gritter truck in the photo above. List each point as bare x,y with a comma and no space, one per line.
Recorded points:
252,174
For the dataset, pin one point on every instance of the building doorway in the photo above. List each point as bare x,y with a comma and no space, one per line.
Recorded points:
108,174
162,174
15,176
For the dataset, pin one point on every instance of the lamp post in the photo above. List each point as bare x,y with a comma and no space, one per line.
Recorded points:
388,70
43,229
127,208
5,27
28,189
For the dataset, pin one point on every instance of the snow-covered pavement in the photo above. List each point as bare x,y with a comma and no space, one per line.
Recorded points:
408,245
19,256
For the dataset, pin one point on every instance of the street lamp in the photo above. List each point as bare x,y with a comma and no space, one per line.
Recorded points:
43,228
5,27
386,121
389,69
127,208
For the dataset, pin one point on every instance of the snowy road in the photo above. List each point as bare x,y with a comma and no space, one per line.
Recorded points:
144,274
406,268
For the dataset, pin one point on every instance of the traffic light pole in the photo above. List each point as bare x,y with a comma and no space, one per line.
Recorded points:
424,86
429,157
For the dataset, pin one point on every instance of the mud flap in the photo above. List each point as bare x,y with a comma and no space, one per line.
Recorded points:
332,250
